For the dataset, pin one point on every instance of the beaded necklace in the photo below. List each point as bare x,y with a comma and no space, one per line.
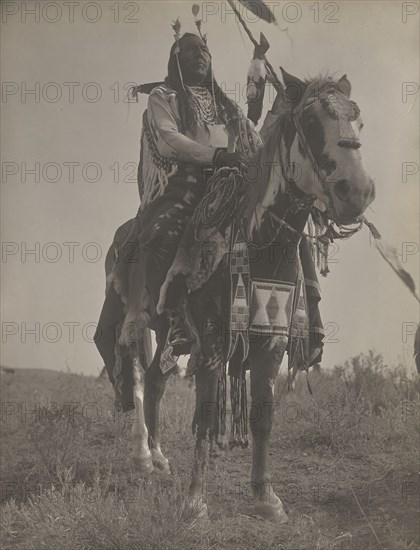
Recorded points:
203,104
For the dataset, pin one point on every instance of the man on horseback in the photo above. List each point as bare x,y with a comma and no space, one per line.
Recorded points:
191,190
190,129
190,124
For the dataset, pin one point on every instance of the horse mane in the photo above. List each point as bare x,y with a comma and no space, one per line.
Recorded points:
263,161
281,128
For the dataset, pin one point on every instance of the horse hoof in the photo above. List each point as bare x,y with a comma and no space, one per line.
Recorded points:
143,465
162,466
271,510
160,462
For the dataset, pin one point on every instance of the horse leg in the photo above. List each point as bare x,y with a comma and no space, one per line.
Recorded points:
155,383
141,457
203,427
263,376
133,389
205,421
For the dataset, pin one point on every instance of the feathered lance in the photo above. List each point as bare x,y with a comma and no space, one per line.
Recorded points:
255,6
256,79
265,14
258,8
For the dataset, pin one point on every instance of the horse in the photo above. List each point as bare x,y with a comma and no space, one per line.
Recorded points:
312,143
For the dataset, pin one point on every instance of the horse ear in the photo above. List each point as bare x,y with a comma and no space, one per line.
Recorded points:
344,85
295,88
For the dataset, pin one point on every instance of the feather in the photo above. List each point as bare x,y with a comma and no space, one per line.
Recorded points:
176,25
145,88
390,255
195,10
258,8
257,70
251,91
257,75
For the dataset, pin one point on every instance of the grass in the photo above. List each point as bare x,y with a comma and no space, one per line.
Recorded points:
344,462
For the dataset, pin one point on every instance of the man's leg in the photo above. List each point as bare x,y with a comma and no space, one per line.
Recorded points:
180,336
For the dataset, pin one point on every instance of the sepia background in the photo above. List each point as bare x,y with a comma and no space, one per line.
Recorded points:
95,53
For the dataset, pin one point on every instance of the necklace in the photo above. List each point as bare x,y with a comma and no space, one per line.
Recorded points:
203,104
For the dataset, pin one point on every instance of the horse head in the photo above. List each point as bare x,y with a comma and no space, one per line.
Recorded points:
326,146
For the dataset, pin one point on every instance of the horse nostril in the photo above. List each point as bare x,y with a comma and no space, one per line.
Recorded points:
330,168
342,189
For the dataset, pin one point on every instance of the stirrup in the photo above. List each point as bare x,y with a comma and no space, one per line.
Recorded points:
181,344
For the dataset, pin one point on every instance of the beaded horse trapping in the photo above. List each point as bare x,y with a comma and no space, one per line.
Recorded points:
340,107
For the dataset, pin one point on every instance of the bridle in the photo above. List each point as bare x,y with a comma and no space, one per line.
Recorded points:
297,115
333,230
349,140
226,196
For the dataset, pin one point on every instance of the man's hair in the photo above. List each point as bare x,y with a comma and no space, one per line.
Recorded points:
227,109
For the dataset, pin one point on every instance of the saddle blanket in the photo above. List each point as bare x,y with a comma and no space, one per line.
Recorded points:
272,308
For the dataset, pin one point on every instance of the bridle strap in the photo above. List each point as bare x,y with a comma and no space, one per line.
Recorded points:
330,233
296,115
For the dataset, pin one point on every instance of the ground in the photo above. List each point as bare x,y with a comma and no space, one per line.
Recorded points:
344,462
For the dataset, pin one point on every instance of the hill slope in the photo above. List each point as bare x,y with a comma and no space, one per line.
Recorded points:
344,463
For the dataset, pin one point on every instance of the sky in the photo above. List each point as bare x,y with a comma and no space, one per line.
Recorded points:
69,153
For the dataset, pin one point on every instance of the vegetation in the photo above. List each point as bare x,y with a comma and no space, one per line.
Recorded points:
344,462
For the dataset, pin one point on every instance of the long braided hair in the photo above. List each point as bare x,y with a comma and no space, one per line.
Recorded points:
227,109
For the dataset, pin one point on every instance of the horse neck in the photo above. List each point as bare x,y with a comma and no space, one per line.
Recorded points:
276,181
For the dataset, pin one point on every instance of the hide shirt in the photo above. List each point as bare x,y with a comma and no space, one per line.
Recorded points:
164,146
164,116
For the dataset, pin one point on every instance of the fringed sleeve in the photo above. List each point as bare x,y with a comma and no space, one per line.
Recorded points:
163,146
170,142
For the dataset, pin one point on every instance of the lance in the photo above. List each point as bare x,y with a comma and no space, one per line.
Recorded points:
260,48
259,9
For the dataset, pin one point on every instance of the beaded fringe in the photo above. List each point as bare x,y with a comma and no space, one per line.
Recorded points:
155,170
238,398
221,405
319,244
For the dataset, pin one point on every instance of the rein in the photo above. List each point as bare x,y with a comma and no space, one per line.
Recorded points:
347,139
222,200
297,116
333,230
329,236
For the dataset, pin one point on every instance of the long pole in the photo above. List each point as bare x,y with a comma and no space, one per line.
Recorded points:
274,78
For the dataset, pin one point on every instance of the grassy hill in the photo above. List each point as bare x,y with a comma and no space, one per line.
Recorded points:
344,462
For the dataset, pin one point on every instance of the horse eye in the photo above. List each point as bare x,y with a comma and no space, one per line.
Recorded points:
310,121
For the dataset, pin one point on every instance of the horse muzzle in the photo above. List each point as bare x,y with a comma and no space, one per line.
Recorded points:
351,200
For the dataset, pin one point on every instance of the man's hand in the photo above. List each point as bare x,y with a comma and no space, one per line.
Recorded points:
230,160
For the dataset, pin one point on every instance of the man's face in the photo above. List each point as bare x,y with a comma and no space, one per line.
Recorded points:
194,59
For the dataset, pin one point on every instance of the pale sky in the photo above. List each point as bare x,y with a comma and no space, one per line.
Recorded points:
363,304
